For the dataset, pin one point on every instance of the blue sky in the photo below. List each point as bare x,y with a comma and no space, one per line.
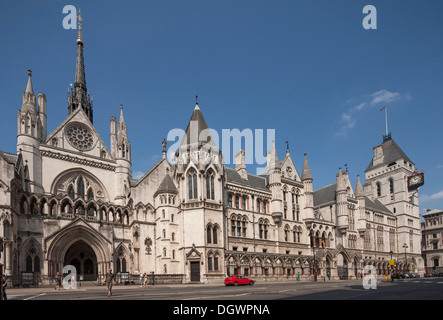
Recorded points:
307,69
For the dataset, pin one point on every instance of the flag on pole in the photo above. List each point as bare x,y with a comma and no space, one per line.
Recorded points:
383,108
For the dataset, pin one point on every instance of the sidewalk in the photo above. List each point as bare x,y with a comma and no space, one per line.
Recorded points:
13,292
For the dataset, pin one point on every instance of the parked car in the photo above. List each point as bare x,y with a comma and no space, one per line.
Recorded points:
416,275
430,274
396,275
238,280
440,274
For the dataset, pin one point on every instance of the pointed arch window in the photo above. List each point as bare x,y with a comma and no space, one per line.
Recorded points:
391,186
192,184
90,194
71,193
378,189
81,188
214,235
210,193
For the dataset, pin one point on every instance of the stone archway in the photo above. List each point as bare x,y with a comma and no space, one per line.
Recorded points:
83,258
342,266
78,241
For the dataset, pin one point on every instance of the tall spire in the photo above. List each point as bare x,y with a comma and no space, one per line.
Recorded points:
80,80
78,97
306,173
29,88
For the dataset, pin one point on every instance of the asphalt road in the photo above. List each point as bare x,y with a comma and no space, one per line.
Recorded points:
413,289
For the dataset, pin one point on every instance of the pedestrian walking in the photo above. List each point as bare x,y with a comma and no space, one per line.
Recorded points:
58,281
4,285
108,281
145,280
141,279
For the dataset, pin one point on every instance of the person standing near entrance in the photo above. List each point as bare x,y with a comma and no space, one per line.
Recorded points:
4,284
108,281
58,281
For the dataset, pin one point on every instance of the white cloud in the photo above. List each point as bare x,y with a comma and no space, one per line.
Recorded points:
377,99
137,175
435,196
384,96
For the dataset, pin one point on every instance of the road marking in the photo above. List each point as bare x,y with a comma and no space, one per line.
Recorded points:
212,297
38,295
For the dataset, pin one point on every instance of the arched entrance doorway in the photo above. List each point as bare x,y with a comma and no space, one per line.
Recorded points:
83,258
342,267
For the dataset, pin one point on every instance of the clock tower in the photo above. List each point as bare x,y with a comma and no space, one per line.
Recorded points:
392,180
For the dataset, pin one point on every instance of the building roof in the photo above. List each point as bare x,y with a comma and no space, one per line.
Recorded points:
377,206
328,194
9,157
391,153
167,186
253,181
325,195
431,212
193,136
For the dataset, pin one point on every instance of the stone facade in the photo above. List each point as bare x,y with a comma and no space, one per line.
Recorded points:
67,199
432,245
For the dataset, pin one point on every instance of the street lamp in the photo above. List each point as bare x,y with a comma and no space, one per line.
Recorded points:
406,258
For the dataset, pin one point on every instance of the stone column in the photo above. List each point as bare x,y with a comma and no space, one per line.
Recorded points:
8,252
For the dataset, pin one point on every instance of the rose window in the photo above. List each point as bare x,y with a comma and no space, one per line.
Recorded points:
80,137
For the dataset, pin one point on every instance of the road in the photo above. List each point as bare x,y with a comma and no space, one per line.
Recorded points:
413,289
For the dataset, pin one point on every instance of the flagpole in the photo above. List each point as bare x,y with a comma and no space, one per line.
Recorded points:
386,116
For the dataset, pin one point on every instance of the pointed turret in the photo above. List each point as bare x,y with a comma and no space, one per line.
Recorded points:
306,173
79,97
359,188
342,203
29,88
307,180
123,145
121,150
360,195
29,101
197,144
30,133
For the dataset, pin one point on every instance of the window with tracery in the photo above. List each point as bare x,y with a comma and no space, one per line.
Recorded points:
210,193
192,184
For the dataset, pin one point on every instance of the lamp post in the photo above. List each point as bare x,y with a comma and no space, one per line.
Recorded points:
406,258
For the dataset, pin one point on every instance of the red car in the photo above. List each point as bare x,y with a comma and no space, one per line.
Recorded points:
238,280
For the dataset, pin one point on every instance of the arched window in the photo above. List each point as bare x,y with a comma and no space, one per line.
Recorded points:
192,184
208,234
286,232
28,264
210,193
80,188
214,235
90,194
378,189
71,193
391,186
263,226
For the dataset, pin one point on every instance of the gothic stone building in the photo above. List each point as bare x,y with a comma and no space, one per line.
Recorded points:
68,199
432,244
